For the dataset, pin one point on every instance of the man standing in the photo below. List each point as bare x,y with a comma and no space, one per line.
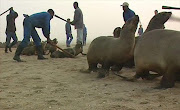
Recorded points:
155,12
69,36
11,29
128,13
140,30
38,20
78,22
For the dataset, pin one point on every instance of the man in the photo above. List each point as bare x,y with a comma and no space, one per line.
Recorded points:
84,35
69,36
11,29
155,12
38,20
128,13
140,30
78,22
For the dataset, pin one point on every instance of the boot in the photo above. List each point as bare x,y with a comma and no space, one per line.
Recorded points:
6,49
40,53
10,48
18,53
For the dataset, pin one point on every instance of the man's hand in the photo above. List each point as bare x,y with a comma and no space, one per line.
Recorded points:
71,23
11,9
49,40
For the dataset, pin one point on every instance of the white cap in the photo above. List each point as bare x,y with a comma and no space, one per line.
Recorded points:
125,4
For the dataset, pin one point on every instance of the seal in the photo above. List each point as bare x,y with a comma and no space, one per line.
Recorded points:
51,48
109,51
116,32
157,51
74,51
156,22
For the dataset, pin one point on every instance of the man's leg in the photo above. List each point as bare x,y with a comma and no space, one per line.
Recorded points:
25,41
71,38
8,39
14,37
37,42
79,36
84,41
67,40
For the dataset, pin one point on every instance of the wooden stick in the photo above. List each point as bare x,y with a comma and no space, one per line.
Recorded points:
62,49
60,18
169,7
4,12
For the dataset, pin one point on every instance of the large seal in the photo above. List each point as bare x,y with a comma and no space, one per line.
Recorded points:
158,51
110,51
156,22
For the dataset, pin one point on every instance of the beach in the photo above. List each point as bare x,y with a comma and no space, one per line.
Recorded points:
59,84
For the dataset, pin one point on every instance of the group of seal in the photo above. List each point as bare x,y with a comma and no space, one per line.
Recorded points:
31,48
156,50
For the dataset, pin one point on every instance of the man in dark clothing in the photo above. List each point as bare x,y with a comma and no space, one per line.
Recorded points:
37,20
69,36
11,29
128,13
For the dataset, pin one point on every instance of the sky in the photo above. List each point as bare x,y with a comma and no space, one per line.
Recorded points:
101,17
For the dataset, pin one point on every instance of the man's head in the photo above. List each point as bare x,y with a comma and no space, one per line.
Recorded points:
75,4
51,12
155,12
68,20
125,6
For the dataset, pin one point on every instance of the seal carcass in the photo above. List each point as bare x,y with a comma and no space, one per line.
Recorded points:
109,51
74,51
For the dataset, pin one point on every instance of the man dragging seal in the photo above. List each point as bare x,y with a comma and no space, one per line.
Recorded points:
37,20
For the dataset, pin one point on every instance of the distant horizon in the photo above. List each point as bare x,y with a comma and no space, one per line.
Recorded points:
100,17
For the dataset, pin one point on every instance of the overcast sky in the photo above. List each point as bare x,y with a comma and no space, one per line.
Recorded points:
100,16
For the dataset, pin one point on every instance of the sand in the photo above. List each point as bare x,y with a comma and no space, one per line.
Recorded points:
58,84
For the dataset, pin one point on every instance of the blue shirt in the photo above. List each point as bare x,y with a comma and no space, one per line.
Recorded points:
140,31
41,20
68,28
128,14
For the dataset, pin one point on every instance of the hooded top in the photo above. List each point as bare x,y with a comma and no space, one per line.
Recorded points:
10,18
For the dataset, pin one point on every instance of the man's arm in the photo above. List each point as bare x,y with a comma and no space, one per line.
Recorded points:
46,28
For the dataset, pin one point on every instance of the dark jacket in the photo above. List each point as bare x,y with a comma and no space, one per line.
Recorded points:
10,18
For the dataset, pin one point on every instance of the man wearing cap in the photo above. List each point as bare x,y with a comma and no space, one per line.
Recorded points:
128,13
